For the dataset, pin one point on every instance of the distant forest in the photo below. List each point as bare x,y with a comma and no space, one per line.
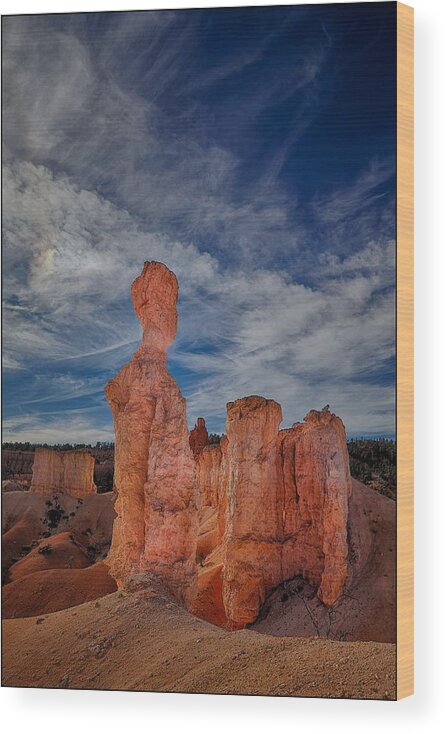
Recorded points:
372,461
27,446
18,459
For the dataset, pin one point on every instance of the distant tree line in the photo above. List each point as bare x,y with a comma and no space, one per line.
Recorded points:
27,446
214,438
373,462
14,462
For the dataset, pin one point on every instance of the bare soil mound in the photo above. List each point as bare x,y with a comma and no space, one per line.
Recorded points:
18,539
145,641
28,518
49,591
65,550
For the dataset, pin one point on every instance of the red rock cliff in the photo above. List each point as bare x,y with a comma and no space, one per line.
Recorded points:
67,472
155,531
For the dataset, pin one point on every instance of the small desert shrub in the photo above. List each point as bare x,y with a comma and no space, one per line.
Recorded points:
92,552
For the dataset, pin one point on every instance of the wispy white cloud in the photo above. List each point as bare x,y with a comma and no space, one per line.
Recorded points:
347,202
81,427
240,332
375,258
72,107
111,160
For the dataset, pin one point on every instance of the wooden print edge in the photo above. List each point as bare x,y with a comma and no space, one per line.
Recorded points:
405,351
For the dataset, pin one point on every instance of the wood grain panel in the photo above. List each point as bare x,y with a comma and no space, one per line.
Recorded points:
405,515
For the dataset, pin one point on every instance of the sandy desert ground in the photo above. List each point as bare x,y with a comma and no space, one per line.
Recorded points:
66,626
144,641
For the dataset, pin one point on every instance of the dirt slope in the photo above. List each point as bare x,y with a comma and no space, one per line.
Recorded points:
145,641
28,517
54,589
64,550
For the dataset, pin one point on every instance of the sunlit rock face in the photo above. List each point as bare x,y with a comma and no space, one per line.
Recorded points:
272,504
287,506
209,474
222,498
64,472
155,532
314,488
252,553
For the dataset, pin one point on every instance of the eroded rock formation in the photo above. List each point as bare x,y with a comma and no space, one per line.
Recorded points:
65,472
198,438
222,499
155,531
315,485
287,511
209,474
252,555
271,504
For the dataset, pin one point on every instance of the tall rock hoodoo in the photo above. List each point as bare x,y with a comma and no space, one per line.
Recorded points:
198,438
208,458
155,531
315,486
252,553
272,504
67,472
287,506
209,474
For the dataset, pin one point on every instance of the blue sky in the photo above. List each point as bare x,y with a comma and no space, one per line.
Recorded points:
253,151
